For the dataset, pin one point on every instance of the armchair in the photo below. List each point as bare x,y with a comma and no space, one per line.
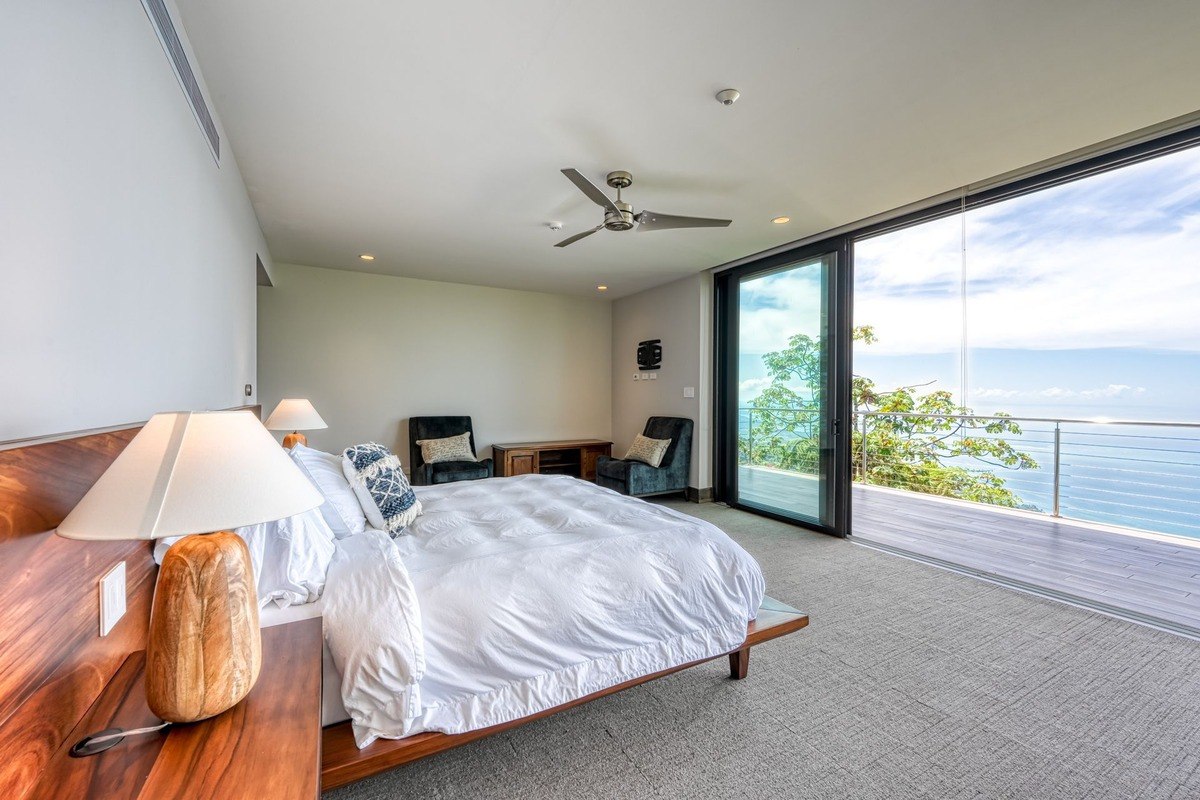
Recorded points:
446,471
638,479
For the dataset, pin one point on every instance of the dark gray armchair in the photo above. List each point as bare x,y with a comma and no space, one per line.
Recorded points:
446,471
638,479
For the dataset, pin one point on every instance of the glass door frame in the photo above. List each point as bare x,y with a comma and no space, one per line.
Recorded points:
838,303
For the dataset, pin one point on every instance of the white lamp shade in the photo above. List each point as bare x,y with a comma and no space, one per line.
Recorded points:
295,415
192,473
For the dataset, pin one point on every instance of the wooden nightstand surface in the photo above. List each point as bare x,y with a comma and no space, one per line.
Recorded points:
265,747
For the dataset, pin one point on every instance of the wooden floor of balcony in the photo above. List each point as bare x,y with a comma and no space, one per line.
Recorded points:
1149,578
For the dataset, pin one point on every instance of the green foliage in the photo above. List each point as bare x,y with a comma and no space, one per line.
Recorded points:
924,452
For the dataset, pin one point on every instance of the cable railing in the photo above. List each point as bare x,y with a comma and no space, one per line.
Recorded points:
1134,473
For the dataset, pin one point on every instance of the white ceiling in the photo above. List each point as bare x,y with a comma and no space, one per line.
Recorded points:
432,133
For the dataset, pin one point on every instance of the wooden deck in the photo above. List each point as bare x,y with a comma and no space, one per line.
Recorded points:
1152,579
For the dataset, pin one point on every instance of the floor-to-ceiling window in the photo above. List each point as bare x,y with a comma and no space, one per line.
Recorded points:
996,338
1008,335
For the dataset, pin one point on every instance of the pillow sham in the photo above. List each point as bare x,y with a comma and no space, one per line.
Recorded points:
341,510
382,489
647,450
452,448
290,557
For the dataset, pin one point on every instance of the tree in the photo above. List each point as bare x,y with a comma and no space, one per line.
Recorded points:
931,451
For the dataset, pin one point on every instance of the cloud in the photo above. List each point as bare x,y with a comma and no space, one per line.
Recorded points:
1110,261
1112,390
752,386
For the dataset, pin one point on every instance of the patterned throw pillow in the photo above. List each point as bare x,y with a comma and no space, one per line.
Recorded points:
383,492
650,451
452,448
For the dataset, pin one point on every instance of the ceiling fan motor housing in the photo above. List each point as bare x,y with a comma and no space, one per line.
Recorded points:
619,223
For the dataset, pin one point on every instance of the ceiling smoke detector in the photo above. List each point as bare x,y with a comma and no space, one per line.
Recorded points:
728,97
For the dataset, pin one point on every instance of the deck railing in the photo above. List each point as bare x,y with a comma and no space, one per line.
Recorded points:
1135,473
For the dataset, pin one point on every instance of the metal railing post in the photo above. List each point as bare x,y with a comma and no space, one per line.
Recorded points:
750,437
1057,464
864,448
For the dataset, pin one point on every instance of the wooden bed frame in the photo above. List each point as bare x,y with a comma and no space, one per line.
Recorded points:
342,762
54,664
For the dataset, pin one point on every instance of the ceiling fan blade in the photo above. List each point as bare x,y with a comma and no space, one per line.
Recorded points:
578,236
591,190
653,221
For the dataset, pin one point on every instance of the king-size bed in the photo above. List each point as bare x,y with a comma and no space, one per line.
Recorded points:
495,602
507,600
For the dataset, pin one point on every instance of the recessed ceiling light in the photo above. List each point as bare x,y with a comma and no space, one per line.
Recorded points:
602,288
781,220
367,257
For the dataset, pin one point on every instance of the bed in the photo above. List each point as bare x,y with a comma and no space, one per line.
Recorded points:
58,666
536,593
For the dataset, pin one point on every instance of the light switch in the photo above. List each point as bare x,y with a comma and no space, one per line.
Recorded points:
112,598
689,391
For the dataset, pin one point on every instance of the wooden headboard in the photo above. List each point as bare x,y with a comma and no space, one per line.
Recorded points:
53,661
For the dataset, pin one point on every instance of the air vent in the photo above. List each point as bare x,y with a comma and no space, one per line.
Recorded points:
161,19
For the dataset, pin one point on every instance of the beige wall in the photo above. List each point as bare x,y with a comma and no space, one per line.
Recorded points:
370,351
680,314
126,252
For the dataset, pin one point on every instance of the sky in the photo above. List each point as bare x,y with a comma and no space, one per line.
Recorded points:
1081,301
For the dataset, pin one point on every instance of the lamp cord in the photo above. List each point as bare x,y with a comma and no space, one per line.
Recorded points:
132,732
108,738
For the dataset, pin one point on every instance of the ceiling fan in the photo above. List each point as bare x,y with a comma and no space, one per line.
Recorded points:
619,216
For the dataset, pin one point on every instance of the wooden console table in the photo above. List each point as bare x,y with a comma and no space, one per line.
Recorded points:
575,457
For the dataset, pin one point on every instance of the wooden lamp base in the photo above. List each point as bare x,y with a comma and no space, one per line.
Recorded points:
294,438
204,651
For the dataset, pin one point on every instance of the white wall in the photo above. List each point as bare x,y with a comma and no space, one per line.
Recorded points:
679,313
126,254
370,351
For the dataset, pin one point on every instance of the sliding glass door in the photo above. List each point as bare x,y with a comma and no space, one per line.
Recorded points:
783,388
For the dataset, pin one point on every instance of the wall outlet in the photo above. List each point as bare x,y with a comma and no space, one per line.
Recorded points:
637,376
112,598
689,391
653,376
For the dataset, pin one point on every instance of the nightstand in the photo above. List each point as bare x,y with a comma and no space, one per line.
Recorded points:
267,746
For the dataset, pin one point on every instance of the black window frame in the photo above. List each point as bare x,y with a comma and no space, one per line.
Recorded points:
725,353
725,304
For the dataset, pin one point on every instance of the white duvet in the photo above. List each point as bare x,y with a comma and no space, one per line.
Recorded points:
532,591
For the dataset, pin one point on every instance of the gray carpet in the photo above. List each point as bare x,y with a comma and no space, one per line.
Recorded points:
910,682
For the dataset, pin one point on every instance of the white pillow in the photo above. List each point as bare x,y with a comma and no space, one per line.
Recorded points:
342,510
373,626
290,557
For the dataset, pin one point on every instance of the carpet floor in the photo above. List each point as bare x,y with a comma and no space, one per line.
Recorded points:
910,682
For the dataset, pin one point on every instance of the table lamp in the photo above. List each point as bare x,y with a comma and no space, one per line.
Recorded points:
189,473
295,416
